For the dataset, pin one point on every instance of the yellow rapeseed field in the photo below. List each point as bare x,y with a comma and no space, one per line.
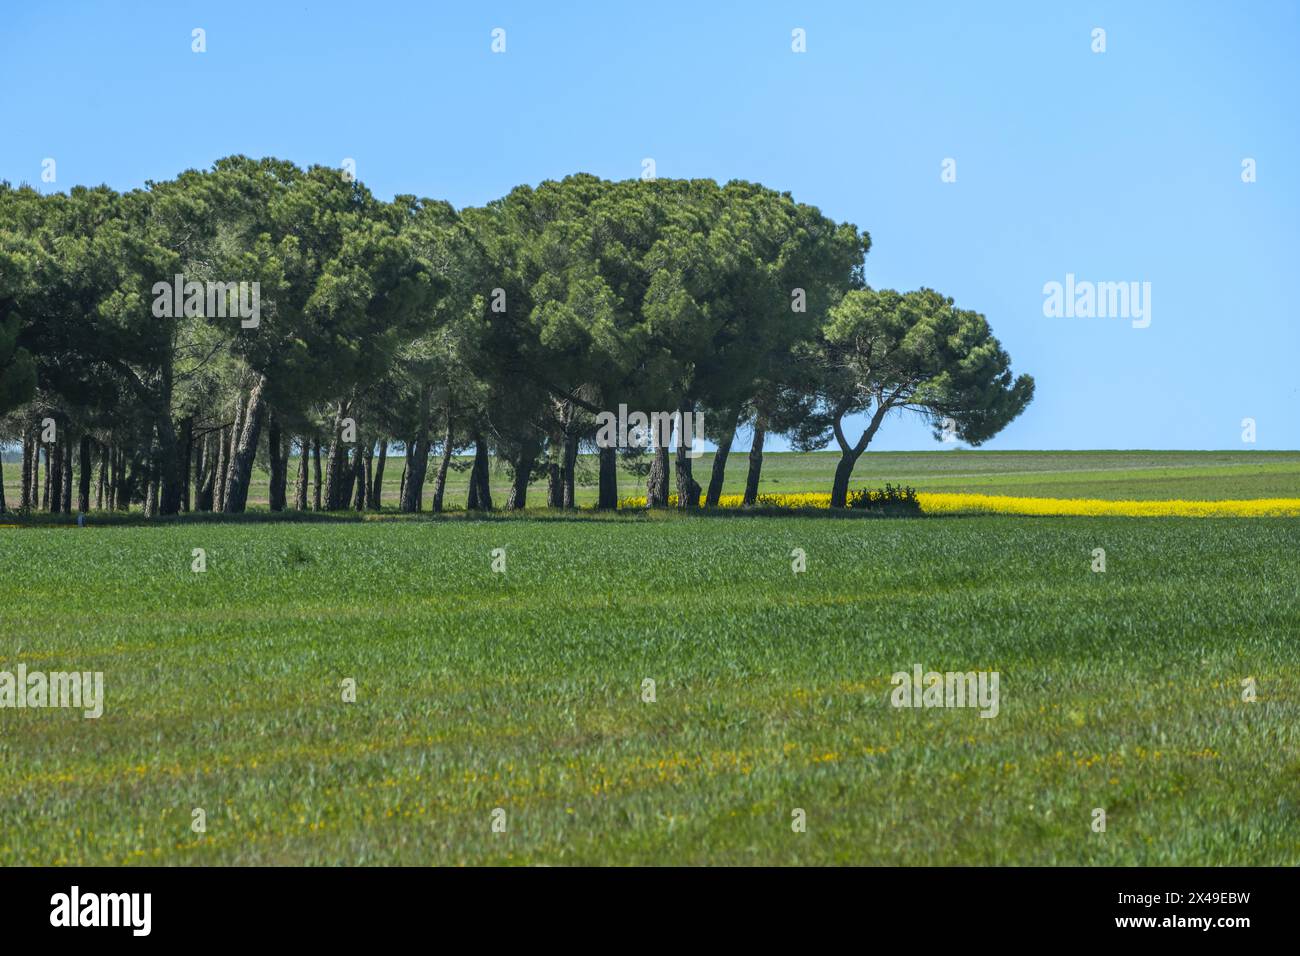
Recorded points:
945,503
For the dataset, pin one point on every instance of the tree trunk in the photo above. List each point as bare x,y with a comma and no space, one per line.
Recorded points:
49,467
367,477
523,470
348,476
241,475
187,450
480,490
359,478
334,464
279,463
113,478
315,454
448,446
219,487
54,474
377,483
607,497
34,492
417,463
205,495
656,487
167,466
300,491
719,472
124,484
755,460
103,478
25,492
199,465
554,472
67,476
150,466
688,489
843,472
2,484
568,469
83,476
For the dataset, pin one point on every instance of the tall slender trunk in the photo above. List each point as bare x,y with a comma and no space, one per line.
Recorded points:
25,491
569,469
205,494
555,472
334,464
34,492
300,490
448,446
83,476
103,477
241,474
368,476
54,473
3,508
112,478
150,466
67,475
315,466
279,462
359,481
223,470
719,472
231,451
199,465
155,486
376,497
49,467
755,459
187,459
125,468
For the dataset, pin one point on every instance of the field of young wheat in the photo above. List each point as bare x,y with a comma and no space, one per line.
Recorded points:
657,689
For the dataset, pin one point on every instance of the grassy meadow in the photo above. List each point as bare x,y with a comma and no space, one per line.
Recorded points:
523,690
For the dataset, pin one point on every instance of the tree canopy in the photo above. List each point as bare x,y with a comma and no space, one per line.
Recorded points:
260,312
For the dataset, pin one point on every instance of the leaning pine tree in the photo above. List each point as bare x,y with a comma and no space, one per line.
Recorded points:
882,351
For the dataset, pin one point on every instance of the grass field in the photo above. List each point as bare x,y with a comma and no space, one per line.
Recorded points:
523,690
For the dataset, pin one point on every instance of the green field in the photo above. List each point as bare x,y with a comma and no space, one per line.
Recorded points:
522,690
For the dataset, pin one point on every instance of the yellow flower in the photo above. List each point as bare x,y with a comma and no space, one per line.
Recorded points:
954,503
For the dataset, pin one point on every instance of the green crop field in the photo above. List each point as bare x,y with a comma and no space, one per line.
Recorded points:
523,690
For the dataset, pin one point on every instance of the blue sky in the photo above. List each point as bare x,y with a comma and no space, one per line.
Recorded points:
1115,166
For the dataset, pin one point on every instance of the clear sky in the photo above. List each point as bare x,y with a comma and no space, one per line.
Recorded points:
1121,166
